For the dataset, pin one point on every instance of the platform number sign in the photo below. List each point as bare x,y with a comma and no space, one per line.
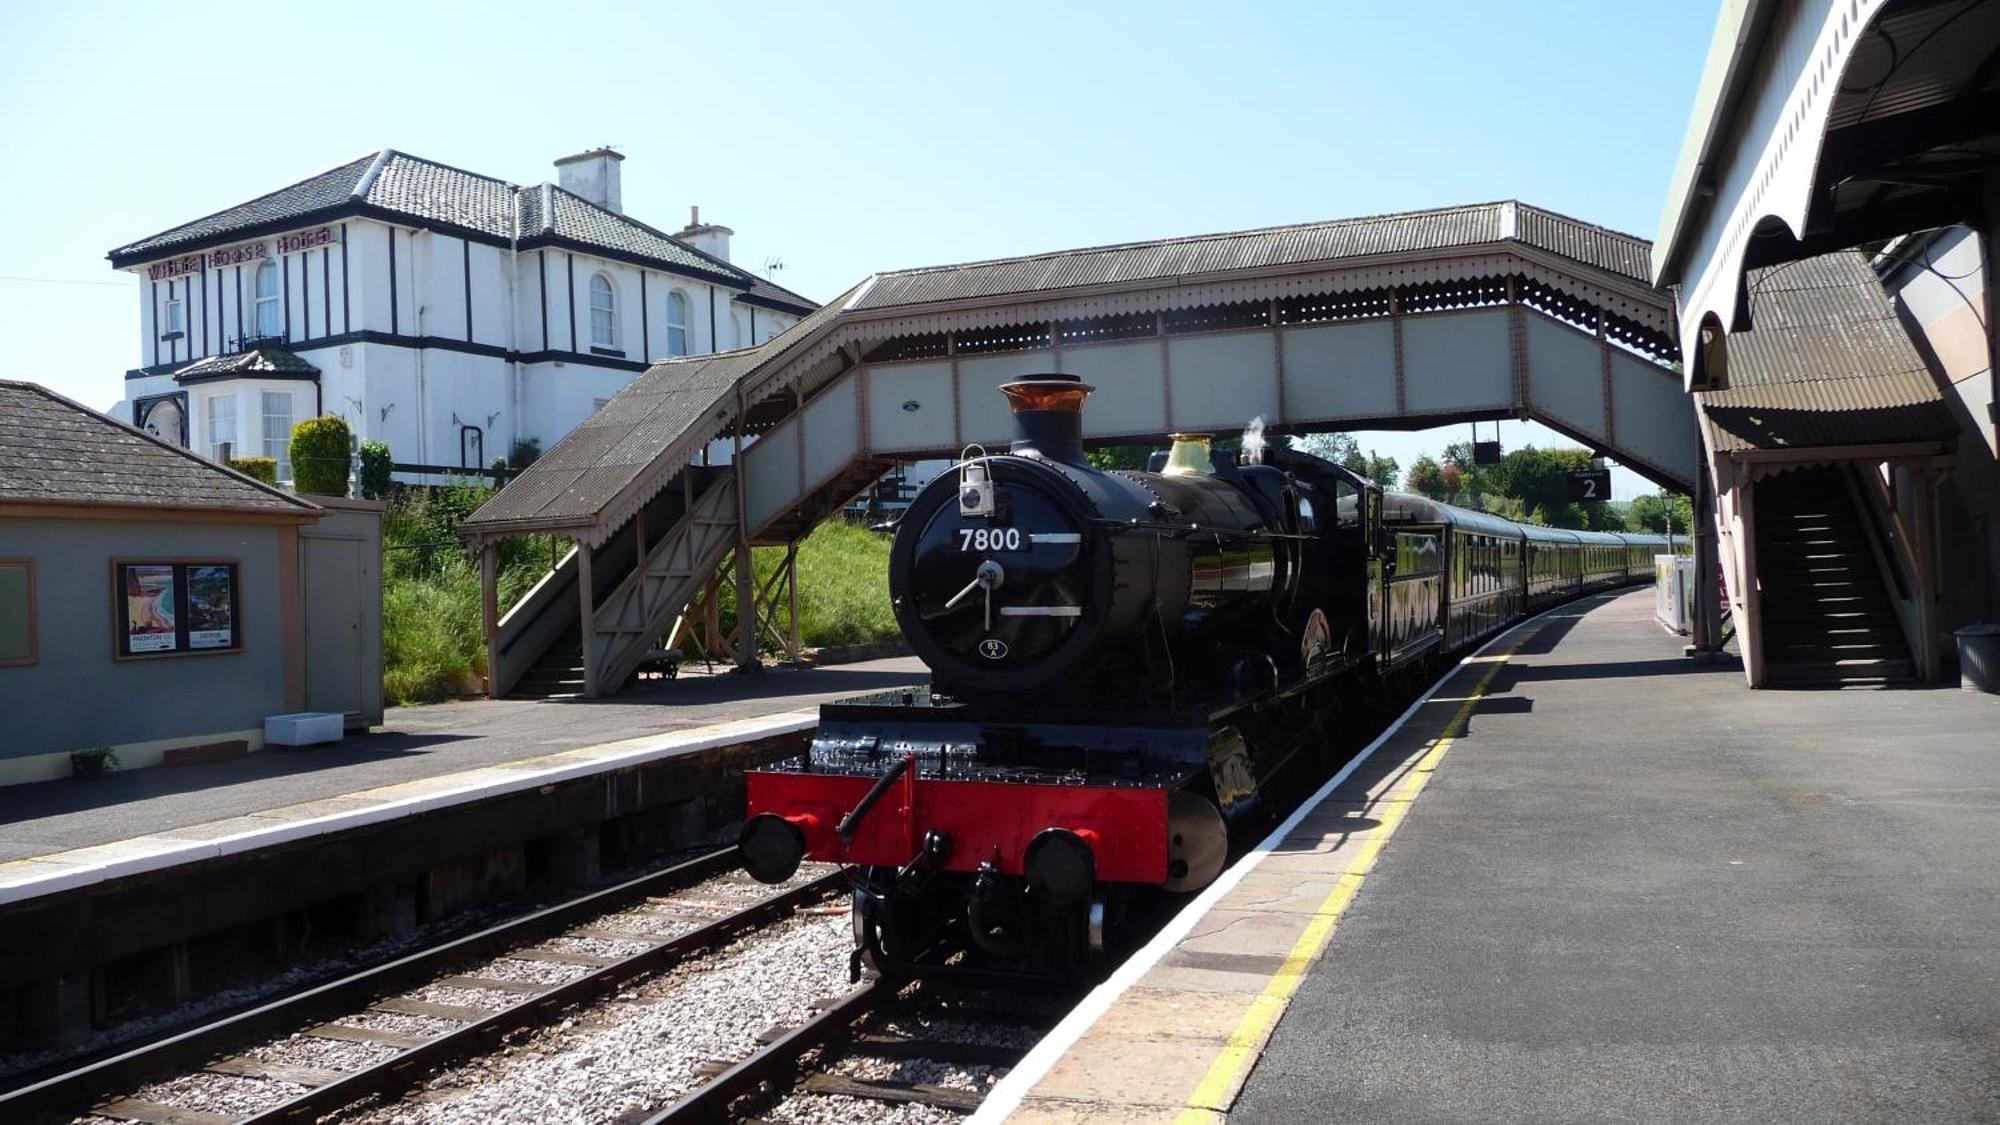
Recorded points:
1590,485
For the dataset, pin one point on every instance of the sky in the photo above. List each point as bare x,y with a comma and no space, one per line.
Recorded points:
838,139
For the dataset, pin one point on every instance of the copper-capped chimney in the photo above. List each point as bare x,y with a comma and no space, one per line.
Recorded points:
1048,415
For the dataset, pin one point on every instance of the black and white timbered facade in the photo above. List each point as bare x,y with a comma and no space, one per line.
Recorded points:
446,313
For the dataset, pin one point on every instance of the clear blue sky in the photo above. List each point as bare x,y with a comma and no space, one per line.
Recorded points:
839,138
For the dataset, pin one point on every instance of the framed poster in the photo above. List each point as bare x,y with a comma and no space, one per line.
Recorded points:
165,608
211,605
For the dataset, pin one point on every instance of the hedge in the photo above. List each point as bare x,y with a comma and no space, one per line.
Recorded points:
263,468
319,456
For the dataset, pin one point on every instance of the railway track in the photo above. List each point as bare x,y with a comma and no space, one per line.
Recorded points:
397,1022
938,1040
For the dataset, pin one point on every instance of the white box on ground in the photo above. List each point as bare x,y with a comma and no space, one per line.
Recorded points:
304,728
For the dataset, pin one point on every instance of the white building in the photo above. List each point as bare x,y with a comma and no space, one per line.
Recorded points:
448,314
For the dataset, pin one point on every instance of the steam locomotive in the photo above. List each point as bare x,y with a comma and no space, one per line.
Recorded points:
1131,672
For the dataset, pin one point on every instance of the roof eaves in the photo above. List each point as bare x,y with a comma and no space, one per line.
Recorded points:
1739,29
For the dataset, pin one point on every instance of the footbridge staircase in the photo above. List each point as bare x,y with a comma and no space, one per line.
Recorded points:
1404,321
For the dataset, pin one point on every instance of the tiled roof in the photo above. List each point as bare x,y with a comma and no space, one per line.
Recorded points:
54,451
1442,228
1827,362
609,455
256,361
404,185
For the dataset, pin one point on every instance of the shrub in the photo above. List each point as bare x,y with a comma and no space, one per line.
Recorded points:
375,469
263,468
319,455
524,452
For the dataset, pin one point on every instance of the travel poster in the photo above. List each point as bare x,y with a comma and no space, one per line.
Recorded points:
149,608
211,608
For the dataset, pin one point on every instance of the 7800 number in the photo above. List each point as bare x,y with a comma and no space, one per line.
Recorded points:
991,539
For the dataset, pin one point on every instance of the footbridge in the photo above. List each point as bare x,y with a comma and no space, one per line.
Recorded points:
1406,321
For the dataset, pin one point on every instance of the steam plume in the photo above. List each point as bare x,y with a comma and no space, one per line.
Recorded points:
1253,442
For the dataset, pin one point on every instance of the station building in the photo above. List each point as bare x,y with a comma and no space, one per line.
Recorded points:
449,314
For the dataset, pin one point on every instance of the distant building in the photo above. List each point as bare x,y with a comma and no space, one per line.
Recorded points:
446,313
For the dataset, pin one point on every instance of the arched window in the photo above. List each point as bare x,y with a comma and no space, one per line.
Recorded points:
603,312
677,323
270,314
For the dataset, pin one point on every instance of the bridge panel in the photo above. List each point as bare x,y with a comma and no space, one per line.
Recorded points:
982,412
771,473
1220,382
1654,421
1337,371
1128,378
1561,361
1457,363
893,425
833,431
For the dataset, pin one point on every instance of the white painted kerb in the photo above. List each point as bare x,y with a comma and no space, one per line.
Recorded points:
45,875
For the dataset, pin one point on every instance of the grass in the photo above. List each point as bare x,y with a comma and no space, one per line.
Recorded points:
432,647
843,586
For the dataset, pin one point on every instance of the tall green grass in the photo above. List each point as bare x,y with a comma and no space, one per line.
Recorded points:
843,575
432,645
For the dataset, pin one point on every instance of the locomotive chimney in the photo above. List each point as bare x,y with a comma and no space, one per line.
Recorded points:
1048,415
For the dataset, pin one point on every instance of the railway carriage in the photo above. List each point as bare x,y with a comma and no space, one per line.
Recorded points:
1132,673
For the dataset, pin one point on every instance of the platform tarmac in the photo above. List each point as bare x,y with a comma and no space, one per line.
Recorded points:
1588,881
414,744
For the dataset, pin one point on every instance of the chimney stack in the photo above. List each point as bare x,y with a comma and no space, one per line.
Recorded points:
593,175
709,238
1048,415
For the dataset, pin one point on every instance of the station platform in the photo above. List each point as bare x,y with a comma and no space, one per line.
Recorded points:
59,835
1588,880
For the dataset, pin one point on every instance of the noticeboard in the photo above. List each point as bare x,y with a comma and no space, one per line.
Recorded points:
166,608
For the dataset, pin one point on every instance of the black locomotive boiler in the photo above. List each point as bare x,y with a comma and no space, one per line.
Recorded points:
1129,670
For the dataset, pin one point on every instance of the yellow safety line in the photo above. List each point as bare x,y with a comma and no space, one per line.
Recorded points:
1242,1048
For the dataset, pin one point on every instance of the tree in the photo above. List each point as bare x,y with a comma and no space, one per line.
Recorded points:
320,449
1451,480
1108,457
1427,477
1649,514
1381,470
1334,446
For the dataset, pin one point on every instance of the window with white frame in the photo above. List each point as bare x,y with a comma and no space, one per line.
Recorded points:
603,312
221,427
176,321
677,323
268,302
278,430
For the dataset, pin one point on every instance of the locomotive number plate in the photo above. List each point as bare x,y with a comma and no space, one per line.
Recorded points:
993,539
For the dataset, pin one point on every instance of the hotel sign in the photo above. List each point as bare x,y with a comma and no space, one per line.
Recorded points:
237,255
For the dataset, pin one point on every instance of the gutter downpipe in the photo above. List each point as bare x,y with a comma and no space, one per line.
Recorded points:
514,332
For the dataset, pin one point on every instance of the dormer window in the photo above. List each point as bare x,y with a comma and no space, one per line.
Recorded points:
677,323
176,319
603,312
270,313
